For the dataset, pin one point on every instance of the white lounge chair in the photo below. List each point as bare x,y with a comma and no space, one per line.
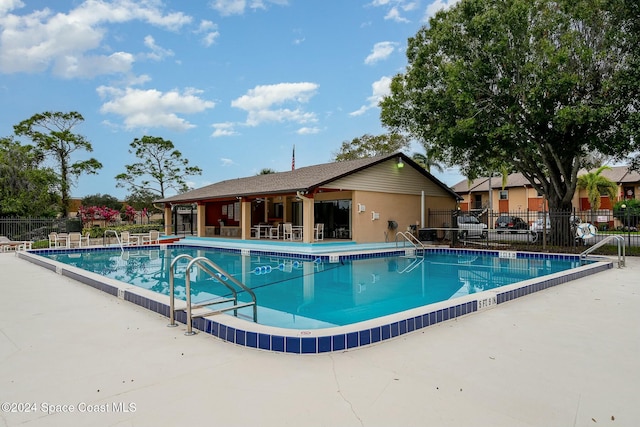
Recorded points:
274,232
287,231
53,240
74,239
152,238
318,232
127,239
7,244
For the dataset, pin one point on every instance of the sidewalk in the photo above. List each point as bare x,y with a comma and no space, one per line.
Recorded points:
566,356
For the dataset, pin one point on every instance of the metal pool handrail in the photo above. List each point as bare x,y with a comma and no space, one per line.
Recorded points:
621,248
410,238
203,263
117,238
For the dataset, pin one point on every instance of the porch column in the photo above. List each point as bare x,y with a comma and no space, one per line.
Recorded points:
202,232
307,218
245,219
167,219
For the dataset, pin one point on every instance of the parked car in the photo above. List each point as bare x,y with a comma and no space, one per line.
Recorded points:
511,224
469,226
538,227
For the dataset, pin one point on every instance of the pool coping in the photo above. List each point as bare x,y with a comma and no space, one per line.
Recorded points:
339,338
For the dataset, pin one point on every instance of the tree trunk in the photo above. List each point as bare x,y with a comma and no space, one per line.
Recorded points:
562,232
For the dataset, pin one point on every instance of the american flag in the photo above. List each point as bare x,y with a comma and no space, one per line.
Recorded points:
293,159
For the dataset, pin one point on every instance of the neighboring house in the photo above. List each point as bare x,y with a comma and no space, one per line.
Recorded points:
487,194
519,196
362,200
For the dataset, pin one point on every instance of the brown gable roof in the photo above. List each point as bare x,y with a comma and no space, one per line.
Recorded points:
304,179
617,174
620,174
482,184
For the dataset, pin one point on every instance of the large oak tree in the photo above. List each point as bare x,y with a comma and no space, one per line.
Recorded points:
533,85
371,146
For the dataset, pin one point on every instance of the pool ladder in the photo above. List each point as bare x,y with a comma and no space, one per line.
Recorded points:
621,249
117,238
417,244
408,237
219,274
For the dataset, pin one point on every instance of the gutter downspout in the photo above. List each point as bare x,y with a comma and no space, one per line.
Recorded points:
422,210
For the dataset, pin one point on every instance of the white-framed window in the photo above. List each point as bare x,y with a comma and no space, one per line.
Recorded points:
504,195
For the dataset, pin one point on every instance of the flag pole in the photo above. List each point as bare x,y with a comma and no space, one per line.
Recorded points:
293,158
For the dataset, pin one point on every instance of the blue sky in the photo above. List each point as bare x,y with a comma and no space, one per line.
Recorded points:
234,84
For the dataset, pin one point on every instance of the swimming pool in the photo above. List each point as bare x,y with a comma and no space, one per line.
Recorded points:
314,294
314,304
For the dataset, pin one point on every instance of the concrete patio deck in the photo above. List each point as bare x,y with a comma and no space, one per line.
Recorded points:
566,356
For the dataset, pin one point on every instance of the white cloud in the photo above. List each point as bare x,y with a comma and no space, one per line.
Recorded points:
299,39
157,53
238,7
408,7
380,52
7,5
226,162
380,89
437,6
210,31
210,38
394,15
136,80
206,25
64,42
152,108
224,129
91,66
229,7
396,7
307,131
259,103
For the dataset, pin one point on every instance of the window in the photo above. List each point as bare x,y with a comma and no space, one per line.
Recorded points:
629,193
336,217
504,195
477,202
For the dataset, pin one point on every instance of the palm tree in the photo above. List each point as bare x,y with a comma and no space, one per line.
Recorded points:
597,185
426,162
266,171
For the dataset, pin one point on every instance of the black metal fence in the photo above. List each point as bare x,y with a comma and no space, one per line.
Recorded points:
34,229
529,230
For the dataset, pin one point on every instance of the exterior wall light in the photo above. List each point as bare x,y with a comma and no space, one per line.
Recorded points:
400,163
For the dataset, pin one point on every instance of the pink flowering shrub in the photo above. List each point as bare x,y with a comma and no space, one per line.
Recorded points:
90,214
130,213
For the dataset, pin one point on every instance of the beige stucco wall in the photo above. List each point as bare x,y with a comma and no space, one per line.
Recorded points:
402,208
518,199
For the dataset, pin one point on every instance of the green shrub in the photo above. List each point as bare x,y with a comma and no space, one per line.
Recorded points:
99,232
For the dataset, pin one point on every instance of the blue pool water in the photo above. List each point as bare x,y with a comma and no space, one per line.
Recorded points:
300,294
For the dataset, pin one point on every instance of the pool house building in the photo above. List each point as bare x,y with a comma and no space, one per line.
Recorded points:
363,200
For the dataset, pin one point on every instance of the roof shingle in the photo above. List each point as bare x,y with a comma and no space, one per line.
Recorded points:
302,179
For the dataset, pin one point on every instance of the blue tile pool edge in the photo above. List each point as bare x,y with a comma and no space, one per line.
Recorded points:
238,331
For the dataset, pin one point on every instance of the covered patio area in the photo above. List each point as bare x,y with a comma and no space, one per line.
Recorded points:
363,200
